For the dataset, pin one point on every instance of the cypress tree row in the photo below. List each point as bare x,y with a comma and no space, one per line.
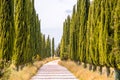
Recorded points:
21,40
94,35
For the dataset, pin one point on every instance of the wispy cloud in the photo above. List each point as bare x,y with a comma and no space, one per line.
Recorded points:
68,11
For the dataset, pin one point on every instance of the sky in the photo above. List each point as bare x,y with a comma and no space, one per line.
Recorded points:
52,14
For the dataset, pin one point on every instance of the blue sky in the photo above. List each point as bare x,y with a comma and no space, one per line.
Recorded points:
52,14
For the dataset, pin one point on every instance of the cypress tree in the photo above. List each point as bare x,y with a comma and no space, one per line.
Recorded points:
84,8
116,48
20,33
43,47
53,50
28,50
88,37
6,30
48,47
25,54
65,48
38,35
33,27
72,55
40,39
101,36
61,48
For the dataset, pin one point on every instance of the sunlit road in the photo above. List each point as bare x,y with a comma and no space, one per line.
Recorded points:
53,71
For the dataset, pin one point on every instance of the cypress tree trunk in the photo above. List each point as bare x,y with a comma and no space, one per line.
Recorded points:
85,65
90,66
100,70
94,67
79,63
17,68
117,74
108,71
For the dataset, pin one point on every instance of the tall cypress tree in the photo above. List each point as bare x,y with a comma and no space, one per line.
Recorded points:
43,47
38,33
53,49
65,42
20,33
71,34
115,55
28,50
48,47
6,30
84,8
33,27
61,48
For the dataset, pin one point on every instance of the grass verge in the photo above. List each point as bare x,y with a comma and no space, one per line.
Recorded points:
82,73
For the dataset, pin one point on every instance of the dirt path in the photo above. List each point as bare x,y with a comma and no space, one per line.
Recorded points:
53,71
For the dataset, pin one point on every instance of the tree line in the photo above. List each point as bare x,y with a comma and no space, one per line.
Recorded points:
92,35
21,40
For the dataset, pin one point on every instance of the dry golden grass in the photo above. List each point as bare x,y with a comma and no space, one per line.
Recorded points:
84,74
28,71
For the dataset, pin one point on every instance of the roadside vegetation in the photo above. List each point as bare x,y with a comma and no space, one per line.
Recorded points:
84,73
26,72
